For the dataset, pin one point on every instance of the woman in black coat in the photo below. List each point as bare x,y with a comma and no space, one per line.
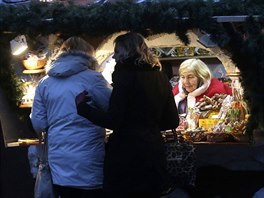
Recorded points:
141,105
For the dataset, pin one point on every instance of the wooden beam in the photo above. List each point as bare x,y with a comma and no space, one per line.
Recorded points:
242,18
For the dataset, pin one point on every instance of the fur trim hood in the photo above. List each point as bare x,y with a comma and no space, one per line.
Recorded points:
70,63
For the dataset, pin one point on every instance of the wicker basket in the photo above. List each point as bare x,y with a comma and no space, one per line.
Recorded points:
220,137
195,136
33,64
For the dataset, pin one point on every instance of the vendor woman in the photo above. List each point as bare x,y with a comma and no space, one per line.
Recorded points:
196,81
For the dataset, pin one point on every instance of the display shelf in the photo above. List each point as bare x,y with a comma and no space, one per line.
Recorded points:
23,142
219,143
33,71
25,105
233,74
185,57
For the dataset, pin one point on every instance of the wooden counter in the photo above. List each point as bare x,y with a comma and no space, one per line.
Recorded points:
231,155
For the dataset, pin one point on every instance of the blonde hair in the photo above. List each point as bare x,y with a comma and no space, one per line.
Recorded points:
134,45
198,67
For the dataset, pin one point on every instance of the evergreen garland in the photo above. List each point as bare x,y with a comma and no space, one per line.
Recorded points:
9,81
245,45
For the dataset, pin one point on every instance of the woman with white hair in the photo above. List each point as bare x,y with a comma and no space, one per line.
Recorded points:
196,81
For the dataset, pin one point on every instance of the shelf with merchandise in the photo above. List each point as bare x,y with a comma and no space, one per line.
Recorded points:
181,52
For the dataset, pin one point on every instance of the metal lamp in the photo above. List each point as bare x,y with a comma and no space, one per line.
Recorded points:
18,45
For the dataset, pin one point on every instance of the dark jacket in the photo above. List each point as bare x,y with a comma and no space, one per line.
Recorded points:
141,105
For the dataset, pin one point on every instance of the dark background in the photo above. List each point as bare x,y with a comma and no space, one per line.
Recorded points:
15,177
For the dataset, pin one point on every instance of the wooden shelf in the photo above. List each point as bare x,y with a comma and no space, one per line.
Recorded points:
25,106
185,57
220,143
35,71
23,142
233,74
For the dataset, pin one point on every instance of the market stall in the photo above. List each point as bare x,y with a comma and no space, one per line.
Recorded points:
203,25
165,25
221,118
208,117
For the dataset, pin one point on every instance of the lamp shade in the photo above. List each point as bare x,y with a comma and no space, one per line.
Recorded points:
18,45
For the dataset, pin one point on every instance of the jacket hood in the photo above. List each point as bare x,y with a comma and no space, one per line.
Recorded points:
70,63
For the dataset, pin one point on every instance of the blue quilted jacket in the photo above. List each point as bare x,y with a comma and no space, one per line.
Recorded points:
75,145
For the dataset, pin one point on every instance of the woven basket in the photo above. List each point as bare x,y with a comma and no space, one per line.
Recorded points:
33,64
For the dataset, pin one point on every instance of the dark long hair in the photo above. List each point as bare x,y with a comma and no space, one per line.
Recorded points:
133,45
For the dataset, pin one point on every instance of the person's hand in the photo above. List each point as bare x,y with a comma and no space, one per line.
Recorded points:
82,97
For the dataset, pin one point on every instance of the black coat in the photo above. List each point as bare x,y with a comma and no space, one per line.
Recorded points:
141,105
